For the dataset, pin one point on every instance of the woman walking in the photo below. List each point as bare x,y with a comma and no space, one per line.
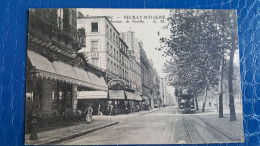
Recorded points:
89,114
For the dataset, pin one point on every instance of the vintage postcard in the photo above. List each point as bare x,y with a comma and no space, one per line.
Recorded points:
132,76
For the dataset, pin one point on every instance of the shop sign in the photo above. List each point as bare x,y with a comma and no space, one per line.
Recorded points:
94,54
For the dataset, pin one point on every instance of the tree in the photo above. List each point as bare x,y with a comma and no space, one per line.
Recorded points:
197,49
194,61
228,32
231,62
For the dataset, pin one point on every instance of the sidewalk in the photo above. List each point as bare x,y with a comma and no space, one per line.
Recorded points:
58,135
66,133
233,129
214,109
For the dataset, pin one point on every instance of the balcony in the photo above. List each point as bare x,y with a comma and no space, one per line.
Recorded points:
58,27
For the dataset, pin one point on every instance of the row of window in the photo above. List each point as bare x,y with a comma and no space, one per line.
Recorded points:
135,66
109,32
112,66
116,69
112,35
113,51
122,59
117,55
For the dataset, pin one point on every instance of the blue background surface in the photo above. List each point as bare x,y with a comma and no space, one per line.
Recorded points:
13,36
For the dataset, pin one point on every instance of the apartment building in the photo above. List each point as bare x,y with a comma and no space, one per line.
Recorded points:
108,51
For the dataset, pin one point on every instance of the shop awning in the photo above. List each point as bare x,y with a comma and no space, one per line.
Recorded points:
61,71
92,95
133,96
145,97
66,72
98,82
83,77
116,94
42,64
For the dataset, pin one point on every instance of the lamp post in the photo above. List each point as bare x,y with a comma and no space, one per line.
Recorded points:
34,122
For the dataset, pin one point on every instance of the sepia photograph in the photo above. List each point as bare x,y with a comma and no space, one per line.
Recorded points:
132,76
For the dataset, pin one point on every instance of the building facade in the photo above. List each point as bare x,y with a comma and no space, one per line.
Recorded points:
134,61
108,51
55,69
132,42
150,80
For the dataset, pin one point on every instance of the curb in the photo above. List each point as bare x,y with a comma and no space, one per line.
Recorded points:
55,141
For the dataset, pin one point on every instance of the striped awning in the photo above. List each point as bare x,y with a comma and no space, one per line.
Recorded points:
133,96
44,66
116,94
145,97
98,82
92,95
61,71
83,77
66,72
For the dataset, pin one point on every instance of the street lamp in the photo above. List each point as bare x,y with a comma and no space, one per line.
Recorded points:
33,72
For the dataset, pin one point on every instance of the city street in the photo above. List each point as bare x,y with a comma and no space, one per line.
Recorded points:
164,126
90,81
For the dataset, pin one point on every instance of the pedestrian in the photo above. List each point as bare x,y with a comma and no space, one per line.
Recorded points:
111,109
28,114
126,109
108,109
132,107
99,112
89,114
138,107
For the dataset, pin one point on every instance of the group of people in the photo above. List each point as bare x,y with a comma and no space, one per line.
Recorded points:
110,111
89,111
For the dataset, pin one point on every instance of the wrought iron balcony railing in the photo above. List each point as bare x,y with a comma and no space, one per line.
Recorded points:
57,22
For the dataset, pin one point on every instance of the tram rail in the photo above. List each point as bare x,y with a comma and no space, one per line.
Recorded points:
208,124
188,129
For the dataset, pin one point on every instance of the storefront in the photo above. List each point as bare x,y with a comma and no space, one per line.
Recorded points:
117,98
53,86
97,99
134,101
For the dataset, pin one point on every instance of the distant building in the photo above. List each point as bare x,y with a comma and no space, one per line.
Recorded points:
163,91
150,79
132,42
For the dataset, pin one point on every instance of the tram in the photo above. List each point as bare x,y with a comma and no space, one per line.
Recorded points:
156,104
186,103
